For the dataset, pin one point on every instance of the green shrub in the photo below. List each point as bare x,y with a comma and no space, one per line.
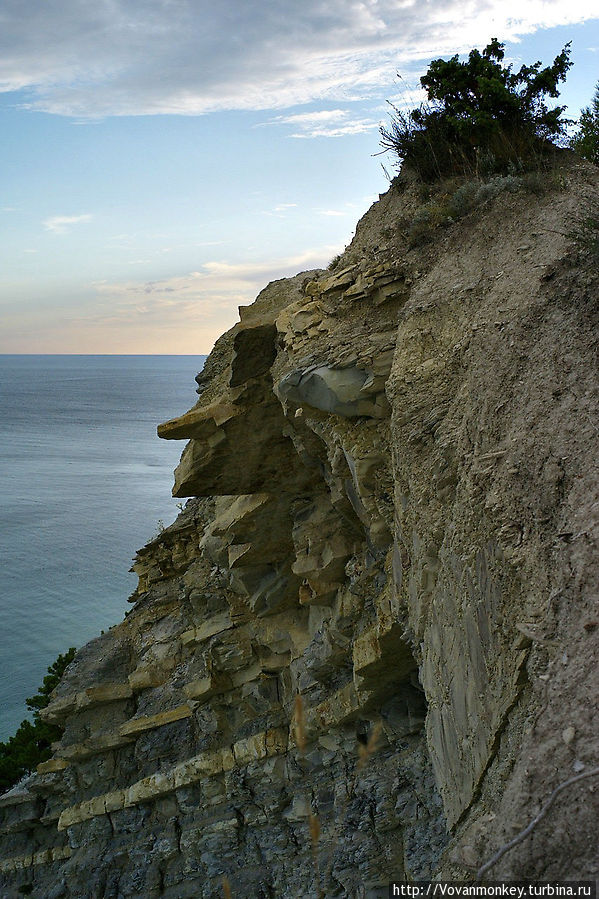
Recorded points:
586,140
481,118
31,744
452,205
464,199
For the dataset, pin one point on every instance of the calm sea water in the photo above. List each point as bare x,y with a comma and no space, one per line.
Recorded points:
85,481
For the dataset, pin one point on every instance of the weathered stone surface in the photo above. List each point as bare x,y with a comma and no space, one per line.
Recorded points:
52,766
94,745
149,722
342,391
395,516
45,857
57,711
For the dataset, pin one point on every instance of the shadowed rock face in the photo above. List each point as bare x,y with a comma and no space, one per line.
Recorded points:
254,351
393,515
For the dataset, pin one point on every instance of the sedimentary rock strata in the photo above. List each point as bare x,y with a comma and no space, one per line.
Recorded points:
393,515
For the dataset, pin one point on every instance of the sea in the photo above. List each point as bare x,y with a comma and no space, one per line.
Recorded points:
85,482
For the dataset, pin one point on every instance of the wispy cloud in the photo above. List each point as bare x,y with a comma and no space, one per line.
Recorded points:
196,295
324,123
280,210
89,60
358,126
184,313
310,119
350,209
61,224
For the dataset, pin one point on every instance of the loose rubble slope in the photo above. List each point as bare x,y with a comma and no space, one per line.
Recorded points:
394,514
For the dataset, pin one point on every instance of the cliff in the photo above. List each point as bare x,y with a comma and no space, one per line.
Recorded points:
394,515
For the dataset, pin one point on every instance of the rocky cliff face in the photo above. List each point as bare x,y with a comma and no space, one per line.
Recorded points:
394,516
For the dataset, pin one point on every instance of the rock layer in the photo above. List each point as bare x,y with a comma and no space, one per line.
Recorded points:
393,515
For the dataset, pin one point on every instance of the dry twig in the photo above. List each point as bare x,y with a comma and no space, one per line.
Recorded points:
530,827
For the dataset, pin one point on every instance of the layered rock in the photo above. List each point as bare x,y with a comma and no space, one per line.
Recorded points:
392,512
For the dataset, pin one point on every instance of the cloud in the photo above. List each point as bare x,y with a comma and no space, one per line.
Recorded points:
123,57
325,123
358,126
280,210
310,119
184,313
217,288
61,224
348,208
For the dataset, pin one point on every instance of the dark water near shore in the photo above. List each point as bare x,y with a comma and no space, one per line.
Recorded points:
85,481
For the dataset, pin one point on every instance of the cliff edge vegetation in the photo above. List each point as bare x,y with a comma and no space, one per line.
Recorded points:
31,744
481,117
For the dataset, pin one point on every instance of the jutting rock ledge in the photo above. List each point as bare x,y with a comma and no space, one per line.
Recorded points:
394,513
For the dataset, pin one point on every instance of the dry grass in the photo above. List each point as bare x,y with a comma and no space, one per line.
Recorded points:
299,726
365,753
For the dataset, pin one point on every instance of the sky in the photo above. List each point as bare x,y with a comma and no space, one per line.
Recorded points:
162,160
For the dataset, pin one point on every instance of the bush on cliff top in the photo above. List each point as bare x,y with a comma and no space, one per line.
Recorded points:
32,742
481,117
586,140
